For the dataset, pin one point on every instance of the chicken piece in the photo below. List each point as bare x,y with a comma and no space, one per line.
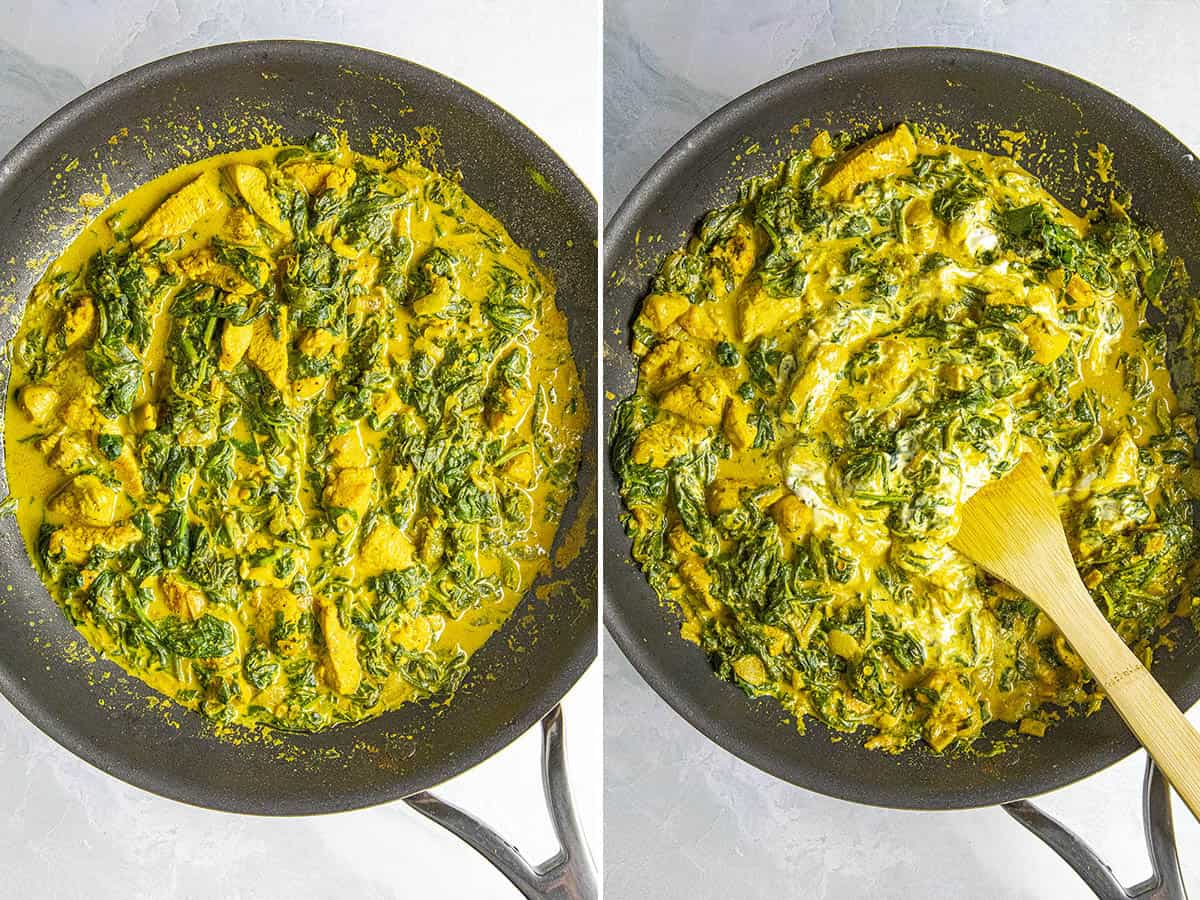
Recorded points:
70,453
311,176
760,313
738,253
953,711
185,208
695,575
347,451
341,650
681,542
520,469
793,516
661,442
75,542
317,343
386,405
268,349
279,612
670,361
86,500
894,366
887,154
659,311
386,549
699,399
736,425
235,341
203,266
126,468
750,669
699,323
80,415
38,401
340,180
414,635
79,320
1121,467
1080,293
349,489
725,494
812,389
252,184
183,600
240,226
431,539
1047,340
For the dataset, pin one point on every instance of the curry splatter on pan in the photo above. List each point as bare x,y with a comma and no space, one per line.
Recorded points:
234,97
980,98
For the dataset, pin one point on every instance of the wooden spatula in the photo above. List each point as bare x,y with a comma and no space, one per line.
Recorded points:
1011,528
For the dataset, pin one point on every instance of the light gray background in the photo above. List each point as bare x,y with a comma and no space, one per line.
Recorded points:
683,818
69,831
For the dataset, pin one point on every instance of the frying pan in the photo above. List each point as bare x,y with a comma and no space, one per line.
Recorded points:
975,94
230,97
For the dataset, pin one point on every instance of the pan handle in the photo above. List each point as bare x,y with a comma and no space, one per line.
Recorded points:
1166,880
568,875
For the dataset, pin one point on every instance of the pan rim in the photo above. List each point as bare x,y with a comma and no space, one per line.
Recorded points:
618,232
542,698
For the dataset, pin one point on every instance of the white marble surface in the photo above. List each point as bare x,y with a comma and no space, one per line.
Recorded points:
69,831
683,818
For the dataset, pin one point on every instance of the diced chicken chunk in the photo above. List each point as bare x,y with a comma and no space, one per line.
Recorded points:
349,489
268,349
38,401
177,214
386,549
736,425
887,154
86,500
520,469
126,468
235,341
75,542
310,175
252,184
661,442
759,313
700,399
793,517
343,668
669,361
317,343
659,311
1047,340
78,320
183,600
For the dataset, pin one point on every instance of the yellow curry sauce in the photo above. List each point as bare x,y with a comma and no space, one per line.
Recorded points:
832,366
291,431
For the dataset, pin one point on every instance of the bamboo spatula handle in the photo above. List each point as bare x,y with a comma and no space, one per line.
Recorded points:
1146,708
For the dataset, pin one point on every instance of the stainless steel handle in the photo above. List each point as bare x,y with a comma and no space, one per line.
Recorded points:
568,875
1166,882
